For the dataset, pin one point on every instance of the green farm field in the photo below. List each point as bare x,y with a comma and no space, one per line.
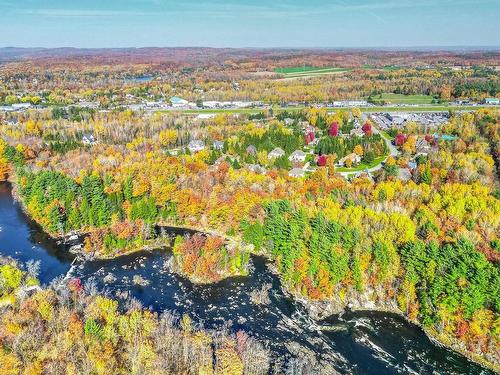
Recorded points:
402,99
308,71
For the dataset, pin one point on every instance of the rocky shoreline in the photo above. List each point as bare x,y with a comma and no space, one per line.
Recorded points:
317,310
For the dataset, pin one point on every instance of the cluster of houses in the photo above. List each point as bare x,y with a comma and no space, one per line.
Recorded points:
297,158
387,121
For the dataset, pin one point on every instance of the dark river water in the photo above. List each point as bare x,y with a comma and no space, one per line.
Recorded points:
362,342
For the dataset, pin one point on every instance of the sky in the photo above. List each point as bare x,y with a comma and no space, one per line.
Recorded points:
257,23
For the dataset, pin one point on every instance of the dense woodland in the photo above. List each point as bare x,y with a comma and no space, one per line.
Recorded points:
427,246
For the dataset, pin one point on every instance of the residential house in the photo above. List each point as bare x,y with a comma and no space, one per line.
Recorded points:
355,159
422,146
358,132
88,139
196,146
276,153
297,173
298,156
218,145
256,168
404,174
412,165
251,149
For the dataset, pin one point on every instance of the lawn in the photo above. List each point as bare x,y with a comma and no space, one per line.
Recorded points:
386,135
402,99
428,108
362,166
296,69
308,71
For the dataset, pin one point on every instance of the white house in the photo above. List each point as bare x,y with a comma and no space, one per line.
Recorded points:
358,132
255,168
297,173
298,156
178,102
196,146
218,145
88,139
276,153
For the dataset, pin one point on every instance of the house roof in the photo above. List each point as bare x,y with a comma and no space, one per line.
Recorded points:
422,143
297,154
256,168
297,172
196,143
404,174
278,151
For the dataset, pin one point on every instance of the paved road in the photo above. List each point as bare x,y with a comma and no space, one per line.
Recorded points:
393,151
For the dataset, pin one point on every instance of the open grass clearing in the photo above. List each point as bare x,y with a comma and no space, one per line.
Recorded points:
362,166
402,99
427,108
308,71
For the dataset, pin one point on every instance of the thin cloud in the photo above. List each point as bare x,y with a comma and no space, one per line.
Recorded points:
201,10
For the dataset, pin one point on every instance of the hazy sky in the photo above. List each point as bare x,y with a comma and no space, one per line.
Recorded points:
257,23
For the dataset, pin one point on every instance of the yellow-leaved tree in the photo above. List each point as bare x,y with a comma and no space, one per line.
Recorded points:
4,163
358,150
168,137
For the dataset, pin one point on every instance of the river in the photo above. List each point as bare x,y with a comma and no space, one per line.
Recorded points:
362,342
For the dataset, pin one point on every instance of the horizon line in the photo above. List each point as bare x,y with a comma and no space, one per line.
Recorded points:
262,47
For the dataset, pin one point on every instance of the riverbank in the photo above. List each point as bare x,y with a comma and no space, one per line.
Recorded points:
358,303
320,310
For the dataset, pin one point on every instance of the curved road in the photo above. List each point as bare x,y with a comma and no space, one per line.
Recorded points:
393,151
